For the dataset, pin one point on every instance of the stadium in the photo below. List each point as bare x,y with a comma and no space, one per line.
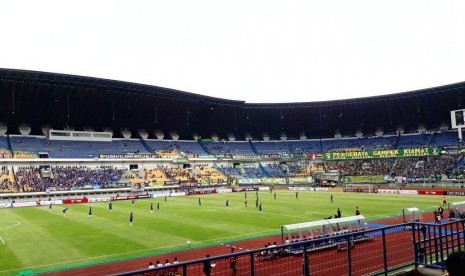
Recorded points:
103,177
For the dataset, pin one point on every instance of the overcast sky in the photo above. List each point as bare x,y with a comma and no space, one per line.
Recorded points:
252,50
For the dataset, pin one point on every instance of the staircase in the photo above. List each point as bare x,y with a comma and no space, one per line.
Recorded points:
265,172
253,147
10,148
146,146
204,147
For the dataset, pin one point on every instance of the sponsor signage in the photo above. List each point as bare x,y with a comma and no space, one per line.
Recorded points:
99,199
75,200
369,154
408,192
455,193
5,205
431,192
387,191
222,191
24,204
127,156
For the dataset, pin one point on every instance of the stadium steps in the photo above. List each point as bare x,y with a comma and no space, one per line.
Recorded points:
265,172
146,146
253,148
204,147
10,148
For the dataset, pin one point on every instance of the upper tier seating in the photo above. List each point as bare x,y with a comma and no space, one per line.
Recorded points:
186,147
267,147
229,148
75,149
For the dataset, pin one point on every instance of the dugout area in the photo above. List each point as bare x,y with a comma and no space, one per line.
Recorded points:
327,233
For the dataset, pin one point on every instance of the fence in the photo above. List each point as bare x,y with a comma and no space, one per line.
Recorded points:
372,252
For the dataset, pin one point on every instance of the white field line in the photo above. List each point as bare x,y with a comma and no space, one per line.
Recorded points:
1,239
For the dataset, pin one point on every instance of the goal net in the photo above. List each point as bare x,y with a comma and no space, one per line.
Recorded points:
359,188
412,214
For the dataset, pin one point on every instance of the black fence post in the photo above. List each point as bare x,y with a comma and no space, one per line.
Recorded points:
383,231
441,246
252,265
184,270
349,257
306,264
415,246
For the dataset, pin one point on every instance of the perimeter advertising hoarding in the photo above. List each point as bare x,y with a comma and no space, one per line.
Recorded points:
370,154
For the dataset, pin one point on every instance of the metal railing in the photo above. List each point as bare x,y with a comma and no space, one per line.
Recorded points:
372,252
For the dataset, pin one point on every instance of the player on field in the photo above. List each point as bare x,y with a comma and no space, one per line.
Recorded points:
64,211
158,206
131,218
133,201
260,207
274,195
151,207
296,195
110,207
227,203
90,212
200,202
332,198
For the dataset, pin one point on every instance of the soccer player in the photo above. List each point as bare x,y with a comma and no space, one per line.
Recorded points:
158,206
245,195
64,211
165,198
274,195
256,203
338,213
444,200
260,207
110,207
90,212
133,201
332,198
151,207
50,206
245,203
227,203
200,202
131,218
357,211
296,195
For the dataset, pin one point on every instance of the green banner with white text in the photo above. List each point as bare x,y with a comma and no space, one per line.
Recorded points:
370,154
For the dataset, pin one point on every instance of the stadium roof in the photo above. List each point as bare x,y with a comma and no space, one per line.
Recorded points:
59,101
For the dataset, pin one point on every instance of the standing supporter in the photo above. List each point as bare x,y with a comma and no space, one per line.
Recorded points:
207,266
455,263
357,211
338,212
233,262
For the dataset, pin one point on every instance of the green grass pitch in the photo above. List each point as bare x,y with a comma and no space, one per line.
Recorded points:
38,239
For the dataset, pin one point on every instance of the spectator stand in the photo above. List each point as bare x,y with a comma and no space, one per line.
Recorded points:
324,234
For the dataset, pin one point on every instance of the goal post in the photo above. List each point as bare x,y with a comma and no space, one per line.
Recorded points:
359,188
412,214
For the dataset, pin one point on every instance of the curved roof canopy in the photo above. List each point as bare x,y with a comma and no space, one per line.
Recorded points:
57,100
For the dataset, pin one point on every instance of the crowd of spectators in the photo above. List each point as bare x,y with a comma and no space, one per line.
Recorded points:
6,183
61,178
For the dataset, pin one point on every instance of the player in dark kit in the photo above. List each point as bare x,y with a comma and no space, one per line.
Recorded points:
332,198
131,218
227,203
260,207
133,201
151,207
64,211
110,207
274,195
90,212
200,202
296,194
158,206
